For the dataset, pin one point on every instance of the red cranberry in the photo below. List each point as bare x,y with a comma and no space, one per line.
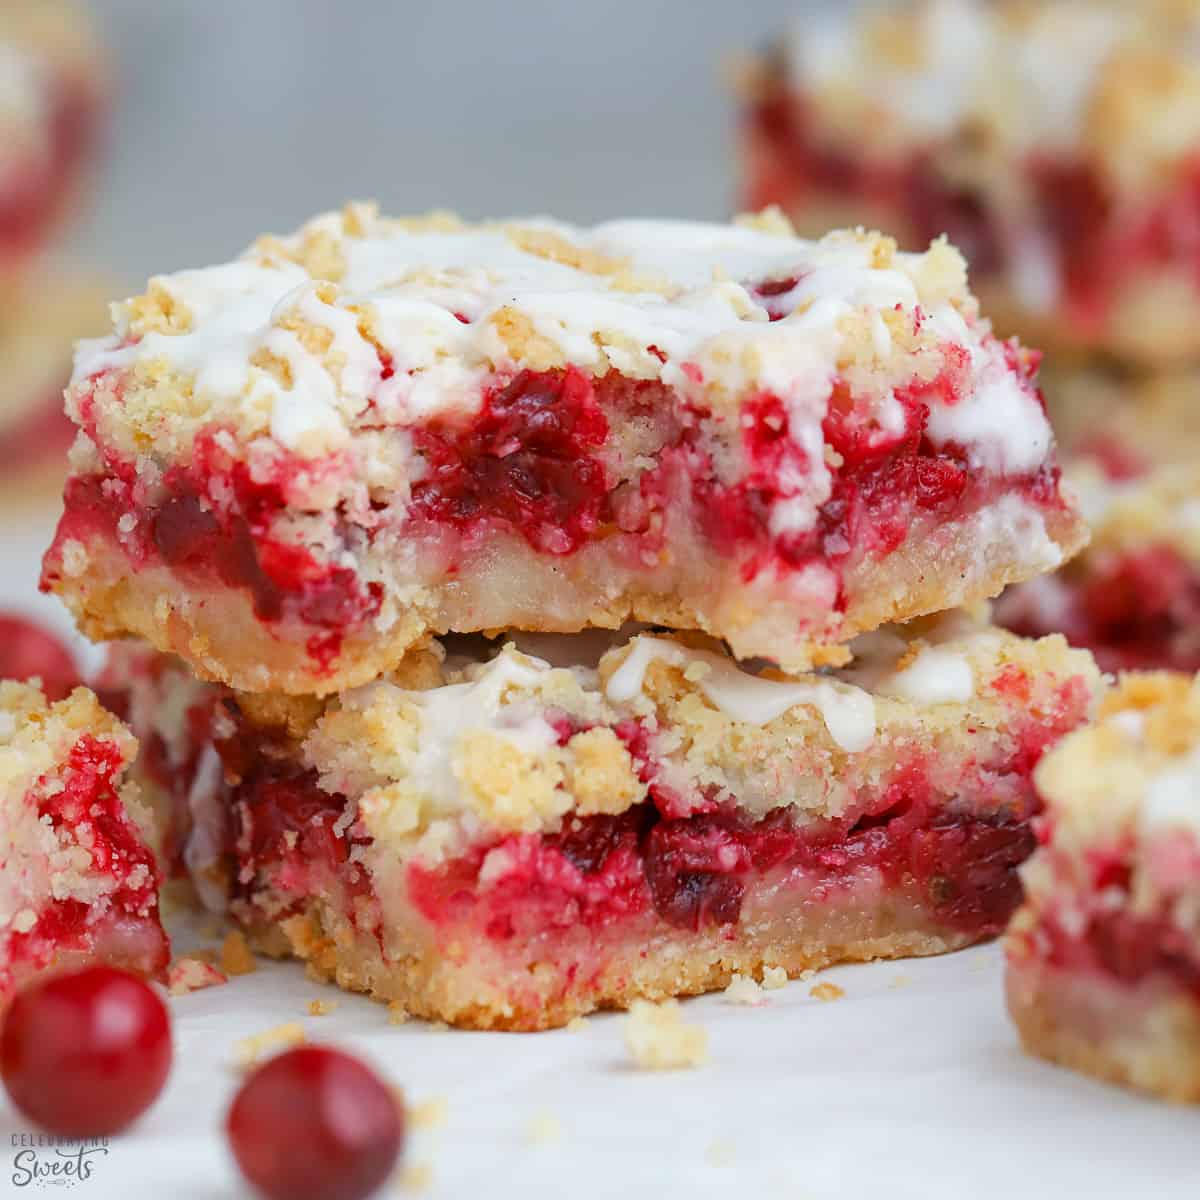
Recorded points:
85,1054
318,1123
26,650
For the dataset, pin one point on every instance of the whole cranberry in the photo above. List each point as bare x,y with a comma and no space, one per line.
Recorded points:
26,650
86,1053
317,1123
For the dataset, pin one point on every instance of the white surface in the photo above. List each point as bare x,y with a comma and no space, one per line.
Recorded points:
911,1085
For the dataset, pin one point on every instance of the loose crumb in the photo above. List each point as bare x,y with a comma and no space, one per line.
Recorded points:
659,1040
416,1177
774,978
544,1129
430,1114
321,1008
397,1013
743,990
720,1153
900,981
236,958
190,974
826,991
575,1024
248,1050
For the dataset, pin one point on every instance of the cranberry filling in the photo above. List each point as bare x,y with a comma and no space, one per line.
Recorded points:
1095,244
692,871
527,460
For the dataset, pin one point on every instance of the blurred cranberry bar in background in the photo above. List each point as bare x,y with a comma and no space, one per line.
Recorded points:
1057,143
53,98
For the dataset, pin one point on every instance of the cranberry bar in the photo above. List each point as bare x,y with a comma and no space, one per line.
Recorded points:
499,842
294,467
52,95
36,341
1057,142
77,881
1133,597
1104,956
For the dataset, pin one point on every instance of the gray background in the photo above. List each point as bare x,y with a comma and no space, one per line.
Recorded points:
235,117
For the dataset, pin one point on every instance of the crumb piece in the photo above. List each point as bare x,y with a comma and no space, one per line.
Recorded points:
743,990
575,1024
900,981
720,1153
774,978
416,1177
659,1040
190,974
397,1013
321,1008
826,991
431,1114
807,973
544,1129
236,958
248,1050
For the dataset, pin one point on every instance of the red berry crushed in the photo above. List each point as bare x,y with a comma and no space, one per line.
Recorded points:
317,1123
84,1054
26,650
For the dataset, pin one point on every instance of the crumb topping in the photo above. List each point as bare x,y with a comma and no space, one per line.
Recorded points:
1074,78
658,1038
311,344
515,744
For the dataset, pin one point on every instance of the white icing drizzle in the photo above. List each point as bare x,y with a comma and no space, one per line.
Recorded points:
936,676
1000,422
432,301
449,712
848,712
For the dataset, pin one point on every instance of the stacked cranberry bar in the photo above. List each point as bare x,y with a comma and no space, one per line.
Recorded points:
490,839
78,881
1057,142
292,468
1104,957
327,484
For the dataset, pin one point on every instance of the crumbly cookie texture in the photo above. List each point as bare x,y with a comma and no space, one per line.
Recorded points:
992,121
77,881
293,467
497,840
1104,956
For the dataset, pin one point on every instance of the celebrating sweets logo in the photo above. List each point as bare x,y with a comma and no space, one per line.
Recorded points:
43,1160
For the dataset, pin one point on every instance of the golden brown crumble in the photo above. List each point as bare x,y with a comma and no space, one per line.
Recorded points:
658,1039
